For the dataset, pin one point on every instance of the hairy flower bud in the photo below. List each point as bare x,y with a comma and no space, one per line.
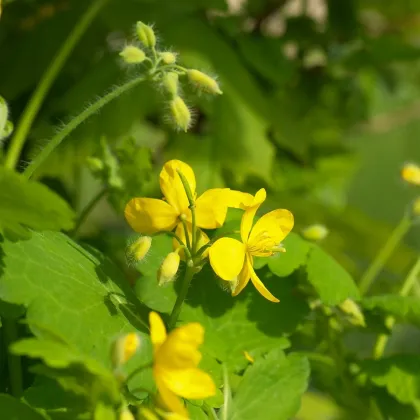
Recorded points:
146,35
170,83
138,250
6,127
124,348
351,308
204,82
132,55
168,268
315,232
167,57
181,115
95,164
411,173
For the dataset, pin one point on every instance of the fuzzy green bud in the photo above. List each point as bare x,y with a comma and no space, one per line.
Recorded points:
146,35
168,268
351,308
168,57
132,55
139,249
6,127
181,115
95,164
315,232
170,83
203,81
124,348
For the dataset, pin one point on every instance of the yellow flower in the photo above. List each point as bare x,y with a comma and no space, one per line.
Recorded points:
176,358
150,215
124,348
411,173
232,260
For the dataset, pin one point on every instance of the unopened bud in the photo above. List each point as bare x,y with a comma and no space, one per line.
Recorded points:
416,207
204,82
411,173
132,55
126,414
181,115
168,268
147,414
315,232
95,164
124,348
6,127
248,357
170,83
351,308
138,250
146,35
168,57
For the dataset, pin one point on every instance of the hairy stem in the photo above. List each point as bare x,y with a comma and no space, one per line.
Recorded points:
407,285
34,104
75,122
189,274
385,252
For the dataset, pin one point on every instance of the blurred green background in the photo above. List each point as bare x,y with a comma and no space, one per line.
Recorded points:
320,107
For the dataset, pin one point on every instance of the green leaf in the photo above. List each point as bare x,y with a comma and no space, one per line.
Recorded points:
68,289
399,374
282,265
273,386
330,280
406,309
104,412
13,409
28,204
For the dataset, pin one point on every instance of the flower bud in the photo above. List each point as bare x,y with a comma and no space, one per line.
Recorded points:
124,348
204,82
416,207
168,57
132,55
170,83
411,173
168,268
248,357
126,414
351,308
94,164
181,115
146,35
147,414
6,127
138,250
315,232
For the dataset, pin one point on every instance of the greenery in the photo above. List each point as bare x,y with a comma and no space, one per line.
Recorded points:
117,307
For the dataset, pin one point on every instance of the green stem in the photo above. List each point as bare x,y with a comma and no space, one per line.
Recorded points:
187,235
75,122
87,210
138,370
10,334
383,255
32,108
407,285
189,274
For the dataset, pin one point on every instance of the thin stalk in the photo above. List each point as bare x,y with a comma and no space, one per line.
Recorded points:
407,285
385,252
10,334
189,274
34,104
187,235
88,209
138,370
75,122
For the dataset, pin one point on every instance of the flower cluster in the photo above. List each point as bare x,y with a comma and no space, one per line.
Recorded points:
185,216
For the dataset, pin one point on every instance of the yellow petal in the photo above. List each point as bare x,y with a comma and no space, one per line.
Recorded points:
172,187
248,216
189,383
157,330
211,208
260,286
227,258
149,215
277,224
170,400
180,232
237,199
243,277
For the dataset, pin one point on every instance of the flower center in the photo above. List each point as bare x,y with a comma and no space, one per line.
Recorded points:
264,245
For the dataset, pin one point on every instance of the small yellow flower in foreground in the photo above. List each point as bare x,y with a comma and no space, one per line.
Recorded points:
175,361
248,357
180,113
168,57
138,250
204,82
124,348
411,173
232,260
132,55
416,207
146,35
126,414
315,232
149,215
168,269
